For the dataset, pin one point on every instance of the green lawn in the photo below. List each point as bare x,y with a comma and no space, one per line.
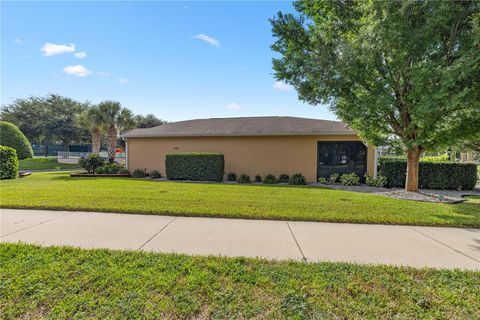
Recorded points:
67,283
42,163
57,190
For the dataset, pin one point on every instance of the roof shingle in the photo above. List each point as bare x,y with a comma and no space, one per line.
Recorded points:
247,126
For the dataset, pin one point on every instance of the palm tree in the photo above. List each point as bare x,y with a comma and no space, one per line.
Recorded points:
114,119
91,120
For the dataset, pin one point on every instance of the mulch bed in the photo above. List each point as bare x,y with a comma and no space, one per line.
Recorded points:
100,175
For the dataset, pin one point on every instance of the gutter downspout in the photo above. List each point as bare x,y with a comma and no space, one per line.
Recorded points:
126,152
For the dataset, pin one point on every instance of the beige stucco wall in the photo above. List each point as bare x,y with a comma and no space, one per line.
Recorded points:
251,155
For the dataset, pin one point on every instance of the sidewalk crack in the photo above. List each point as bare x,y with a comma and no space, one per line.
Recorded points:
304,259
444,244
151,238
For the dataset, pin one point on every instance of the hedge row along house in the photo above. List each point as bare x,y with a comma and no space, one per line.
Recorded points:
256,146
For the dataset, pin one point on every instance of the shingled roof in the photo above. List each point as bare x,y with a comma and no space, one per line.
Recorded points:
248,126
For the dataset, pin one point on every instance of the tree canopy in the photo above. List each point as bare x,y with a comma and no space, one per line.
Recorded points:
404,71
47,119
147,121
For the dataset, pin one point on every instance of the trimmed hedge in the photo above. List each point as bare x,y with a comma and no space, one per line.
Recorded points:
432,175
8,163
195,166
11,136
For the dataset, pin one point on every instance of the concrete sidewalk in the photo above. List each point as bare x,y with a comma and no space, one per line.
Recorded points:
281,240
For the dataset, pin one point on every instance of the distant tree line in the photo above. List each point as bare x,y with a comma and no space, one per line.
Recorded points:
58,119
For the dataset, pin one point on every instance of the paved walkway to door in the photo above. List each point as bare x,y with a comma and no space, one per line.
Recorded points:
280,240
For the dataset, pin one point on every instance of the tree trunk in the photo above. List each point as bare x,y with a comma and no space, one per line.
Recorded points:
66,143
112,143
96,140
413,161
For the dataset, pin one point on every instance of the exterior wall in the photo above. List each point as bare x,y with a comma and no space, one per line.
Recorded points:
253,155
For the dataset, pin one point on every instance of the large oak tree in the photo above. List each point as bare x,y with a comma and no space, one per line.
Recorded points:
407,71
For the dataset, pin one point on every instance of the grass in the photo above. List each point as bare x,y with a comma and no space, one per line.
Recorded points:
68,283
58,191
42,163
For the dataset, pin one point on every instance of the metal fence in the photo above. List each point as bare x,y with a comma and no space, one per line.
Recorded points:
71,155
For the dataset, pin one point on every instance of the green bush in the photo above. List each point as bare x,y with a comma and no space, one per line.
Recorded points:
155,174
258,178
269,179
232,176
432,175
379,181
11,136
110,168
244,178
442,158
283,178
297,179
123,171
138,173
323,180
195,166
91,162
334,178
350,179
8,163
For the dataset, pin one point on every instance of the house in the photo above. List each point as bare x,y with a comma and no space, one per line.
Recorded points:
256,146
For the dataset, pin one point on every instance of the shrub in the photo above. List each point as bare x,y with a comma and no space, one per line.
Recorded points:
244,178
123,171
269,179
334,178
110,168
350,179
8,163
432,175
283,178
11,136
258,178
231,176
91,162
155,174
323,180
195,166
138,173
379,181
297,179
442,158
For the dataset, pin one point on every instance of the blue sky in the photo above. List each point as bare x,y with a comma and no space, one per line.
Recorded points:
177,60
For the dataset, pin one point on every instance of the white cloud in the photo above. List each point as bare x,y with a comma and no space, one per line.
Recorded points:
234,106
80,55
280,85
50,49
207,39
77,70
122,80
103,74
17,40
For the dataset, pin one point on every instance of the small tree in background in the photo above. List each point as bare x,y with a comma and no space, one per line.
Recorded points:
115,118
11,136
407,71
91,120
147,121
